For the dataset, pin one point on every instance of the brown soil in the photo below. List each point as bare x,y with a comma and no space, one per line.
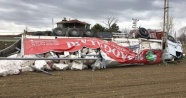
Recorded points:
122,82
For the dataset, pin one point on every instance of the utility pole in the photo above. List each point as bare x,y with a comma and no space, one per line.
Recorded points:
52,24
165,22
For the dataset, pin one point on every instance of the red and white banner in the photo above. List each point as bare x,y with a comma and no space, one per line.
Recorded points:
114,51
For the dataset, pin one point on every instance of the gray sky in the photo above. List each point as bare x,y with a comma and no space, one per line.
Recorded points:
16,15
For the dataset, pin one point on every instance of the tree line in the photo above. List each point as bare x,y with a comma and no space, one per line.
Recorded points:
111,26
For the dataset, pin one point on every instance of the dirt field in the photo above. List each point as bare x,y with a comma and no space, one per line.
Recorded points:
132,81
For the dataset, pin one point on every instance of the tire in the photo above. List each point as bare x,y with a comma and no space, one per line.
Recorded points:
58,32
143,33
74,32
89,33
81,31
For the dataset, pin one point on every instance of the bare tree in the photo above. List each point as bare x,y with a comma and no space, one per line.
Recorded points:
182,36
182,30
109,21
182,39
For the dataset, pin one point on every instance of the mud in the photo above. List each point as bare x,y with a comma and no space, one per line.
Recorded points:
121,82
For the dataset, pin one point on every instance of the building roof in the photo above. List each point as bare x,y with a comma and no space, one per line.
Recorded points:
72,21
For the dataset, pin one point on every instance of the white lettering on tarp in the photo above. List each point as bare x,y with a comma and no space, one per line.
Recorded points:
44,42
55,42
84,41
107,48
123,56
99,44
93,43
71,44
130,57
116,52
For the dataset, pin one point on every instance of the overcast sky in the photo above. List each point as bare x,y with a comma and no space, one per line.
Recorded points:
16,15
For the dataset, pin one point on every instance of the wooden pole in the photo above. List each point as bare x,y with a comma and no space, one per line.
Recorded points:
165,22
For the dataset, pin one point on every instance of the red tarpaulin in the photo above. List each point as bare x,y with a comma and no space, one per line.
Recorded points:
114,51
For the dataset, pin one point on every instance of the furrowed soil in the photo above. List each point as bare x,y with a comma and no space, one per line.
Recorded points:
121,82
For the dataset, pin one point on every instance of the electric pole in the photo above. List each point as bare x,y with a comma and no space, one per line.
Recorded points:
52,24
166,22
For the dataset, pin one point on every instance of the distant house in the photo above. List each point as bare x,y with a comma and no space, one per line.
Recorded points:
72,24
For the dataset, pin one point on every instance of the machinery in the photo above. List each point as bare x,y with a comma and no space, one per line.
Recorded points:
68,28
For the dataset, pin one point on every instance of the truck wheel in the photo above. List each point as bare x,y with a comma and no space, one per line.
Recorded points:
143,33
58,32
89,33
74,32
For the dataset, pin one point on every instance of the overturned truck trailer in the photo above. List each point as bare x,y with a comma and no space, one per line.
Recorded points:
120,50
62,53
116,52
